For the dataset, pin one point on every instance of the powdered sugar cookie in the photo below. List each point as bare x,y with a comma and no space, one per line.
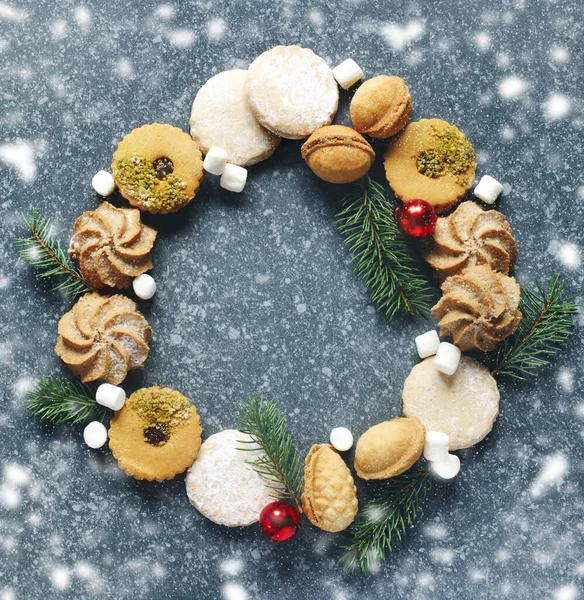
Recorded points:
221,116
222,486
292,91
464,405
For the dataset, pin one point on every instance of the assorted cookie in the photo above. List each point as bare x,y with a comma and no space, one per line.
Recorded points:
381,106
103,337
222,485
338,154
329,498
468,237
221,116
111,246
479,308
389,448
464,405
158,168
430,160
156,435
292,91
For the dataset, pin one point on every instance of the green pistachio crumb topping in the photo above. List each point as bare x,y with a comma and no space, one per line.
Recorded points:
452,153
139,179
163,411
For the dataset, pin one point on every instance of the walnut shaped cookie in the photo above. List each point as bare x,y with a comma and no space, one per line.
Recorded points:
111,246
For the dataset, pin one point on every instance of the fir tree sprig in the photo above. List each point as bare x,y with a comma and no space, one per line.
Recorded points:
547,322
279,464
45,255
384,520
61,400
381,253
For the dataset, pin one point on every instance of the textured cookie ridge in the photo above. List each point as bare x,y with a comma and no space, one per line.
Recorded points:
111,246
103,337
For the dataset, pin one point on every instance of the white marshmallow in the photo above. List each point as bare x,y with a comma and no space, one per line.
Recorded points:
95,434
436,446
427,343
341,439
144,286
215,161
103,183
448,467
111,396
233,178
488,189
347,73
447,358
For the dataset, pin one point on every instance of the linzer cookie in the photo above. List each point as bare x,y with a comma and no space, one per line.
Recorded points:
111,246
430,160
103,337
158,168
329,498
469,237
464,405
221,116
292,91
156,435
479,308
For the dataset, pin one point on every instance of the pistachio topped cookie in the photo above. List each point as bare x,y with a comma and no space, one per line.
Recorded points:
430,160
158,168
156,435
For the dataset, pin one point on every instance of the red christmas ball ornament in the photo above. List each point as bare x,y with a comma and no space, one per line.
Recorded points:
279,521
416,218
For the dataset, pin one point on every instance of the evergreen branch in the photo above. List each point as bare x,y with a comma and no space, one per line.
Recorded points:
381,253
41,252
61,400
547,323
279,463
384,520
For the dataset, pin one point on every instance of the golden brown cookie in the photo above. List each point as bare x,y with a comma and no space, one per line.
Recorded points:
464,405
158,168
221,116
329,498
479,308
103,337
469,237
338,154
381,107
111,246
389,448
156,435
292,91
430,160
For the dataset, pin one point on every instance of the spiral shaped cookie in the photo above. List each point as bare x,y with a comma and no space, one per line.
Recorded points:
111,246
103,337
478,308
469,237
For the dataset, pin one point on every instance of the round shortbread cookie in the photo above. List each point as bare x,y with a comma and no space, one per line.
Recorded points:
292,91
221,116
464,405
221,484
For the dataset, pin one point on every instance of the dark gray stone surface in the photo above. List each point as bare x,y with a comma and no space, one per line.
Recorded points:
256,293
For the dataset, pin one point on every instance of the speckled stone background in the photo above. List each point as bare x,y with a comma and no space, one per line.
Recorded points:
256,293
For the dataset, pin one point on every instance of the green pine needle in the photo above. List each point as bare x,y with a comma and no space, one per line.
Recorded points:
547,323
61,400
45,255
381,253
279,464
384,520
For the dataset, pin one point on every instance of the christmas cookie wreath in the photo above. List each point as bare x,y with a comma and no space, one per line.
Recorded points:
450,400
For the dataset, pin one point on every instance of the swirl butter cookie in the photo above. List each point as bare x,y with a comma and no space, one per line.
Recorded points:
158,168
221,116
292,91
